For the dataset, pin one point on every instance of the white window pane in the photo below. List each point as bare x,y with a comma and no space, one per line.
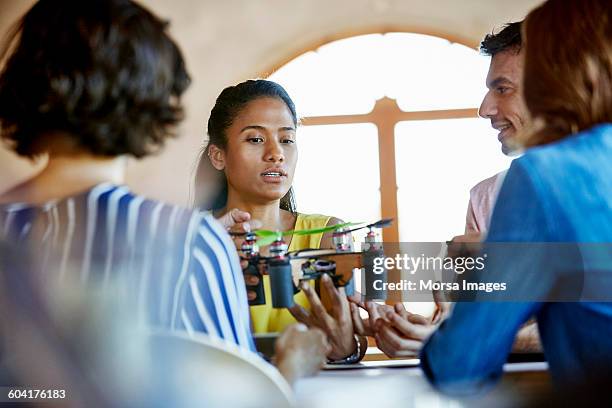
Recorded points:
429,73
337,172
420,71
437,163
339,78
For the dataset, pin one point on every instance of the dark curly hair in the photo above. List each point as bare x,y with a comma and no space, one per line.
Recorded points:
103,72
509,38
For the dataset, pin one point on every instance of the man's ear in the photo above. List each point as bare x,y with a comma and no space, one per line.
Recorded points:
216,156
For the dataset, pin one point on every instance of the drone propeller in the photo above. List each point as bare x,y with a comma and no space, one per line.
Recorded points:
261,233
384,223
266,237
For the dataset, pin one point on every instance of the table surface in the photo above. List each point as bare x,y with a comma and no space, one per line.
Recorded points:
394,383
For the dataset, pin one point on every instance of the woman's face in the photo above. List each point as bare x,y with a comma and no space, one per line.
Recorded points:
261,151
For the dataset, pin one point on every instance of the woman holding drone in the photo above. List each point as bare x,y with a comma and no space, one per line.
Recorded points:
252,149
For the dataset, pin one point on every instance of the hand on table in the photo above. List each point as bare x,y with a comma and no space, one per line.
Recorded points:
300,352
337,324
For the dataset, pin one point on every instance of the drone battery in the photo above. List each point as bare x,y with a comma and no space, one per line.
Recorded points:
281,283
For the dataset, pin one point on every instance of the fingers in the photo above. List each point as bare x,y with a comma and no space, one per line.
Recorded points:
240,227
340,308
238,222
239,216
300,351
251,280
417,319
338,325
316,307
466,245
393,345
372,309
358,323
470,237
439,297
325,347
356,298
280,343
300,314
377,311
442,307
401,310
234,217
410,329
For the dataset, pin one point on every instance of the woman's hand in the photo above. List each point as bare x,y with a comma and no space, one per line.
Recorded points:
235,219
300,352
337,325
239,222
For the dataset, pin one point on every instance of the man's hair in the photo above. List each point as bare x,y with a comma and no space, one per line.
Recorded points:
102,72
509,38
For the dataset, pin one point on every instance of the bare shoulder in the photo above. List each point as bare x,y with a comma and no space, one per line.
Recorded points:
334,221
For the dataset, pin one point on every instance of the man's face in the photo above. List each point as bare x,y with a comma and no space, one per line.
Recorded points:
503,104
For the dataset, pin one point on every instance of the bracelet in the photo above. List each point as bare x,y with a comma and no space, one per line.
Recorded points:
353,358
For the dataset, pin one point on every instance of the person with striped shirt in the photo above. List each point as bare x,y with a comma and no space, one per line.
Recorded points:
87,84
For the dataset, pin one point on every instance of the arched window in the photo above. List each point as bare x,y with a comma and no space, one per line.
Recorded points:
391,130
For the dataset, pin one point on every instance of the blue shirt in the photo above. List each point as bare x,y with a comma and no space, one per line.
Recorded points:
561,192
176,268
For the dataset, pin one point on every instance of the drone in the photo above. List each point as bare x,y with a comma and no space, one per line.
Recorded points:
311,264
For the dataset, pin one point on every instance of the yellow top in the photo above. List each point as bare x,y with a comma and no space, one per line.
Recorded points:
265,318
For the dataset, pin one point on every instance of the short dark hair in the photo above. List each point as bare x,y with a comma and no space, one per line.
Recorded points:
509,38
104,72
229,104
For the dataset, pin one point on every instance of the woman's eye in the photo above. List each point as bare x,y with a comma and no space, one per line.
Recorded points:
288,141
255,139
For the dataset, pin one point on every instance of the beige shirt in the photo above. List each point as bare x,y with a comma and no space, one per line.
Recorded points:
482,201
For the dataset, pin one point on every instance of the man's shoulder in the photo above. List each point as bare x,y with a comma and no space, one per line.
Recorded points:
488,186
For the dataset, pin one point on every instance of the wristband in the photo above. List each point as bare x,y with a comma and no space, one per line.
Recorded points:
353,358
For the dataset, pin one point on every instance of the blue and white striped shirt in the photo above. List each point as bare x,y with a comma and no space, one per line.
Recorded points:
178,267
